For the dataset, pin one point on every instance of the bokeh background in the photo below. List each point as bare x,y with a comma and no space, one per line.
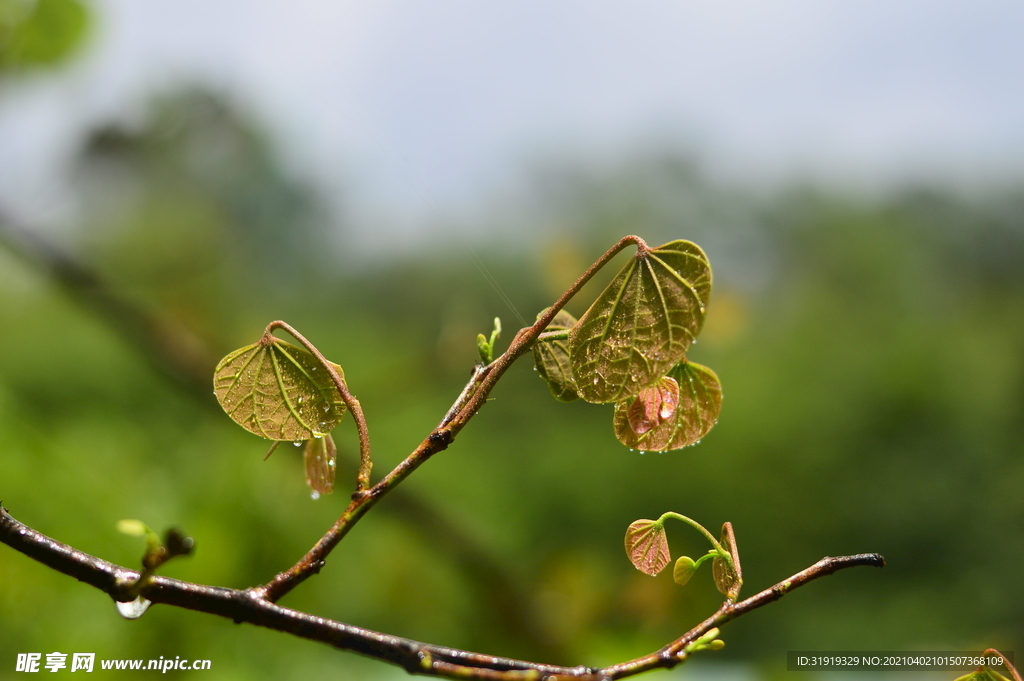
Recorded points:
390,178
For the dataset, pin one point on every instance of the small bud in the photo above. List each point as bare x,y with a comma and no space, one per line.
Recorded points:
177,543
133,528
484,348
684,569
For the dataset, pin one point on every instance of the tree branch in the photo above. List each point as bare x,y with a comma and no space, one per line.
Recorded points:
472,398
251,605
187,361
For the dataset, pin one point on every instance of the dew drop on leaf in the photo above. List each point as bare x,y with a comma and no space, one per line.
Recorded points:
270,387
643,322
693,401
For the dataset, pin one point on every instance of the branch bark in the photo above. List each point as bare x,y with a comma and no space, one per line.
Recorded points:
187,361
252,606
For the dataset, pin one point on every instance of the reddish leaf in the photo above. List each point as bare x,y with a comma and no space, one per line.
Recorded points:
654,405
728,579
676,411
647,546
320,457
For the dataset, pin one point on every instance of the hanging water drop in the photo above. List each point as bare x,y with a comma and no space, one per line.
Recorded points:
297,444
314,495
133,610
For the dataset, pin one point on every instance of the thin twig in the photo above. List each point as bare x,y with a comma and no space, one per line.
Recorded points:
479,388
250,606
185,359
365,457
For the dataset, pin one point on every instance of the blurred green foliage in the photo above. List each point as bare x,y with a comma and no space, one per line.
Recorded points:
39,32
870,353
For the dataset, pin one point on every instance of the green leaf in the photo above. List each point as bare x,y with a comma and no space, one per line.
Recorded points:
642,324
684,569
647,546
43,32
648,423
728,579
321,457
551,358
278,391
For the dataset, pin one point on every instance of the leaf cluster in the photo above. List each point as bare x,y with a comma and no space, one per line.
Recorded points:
629,348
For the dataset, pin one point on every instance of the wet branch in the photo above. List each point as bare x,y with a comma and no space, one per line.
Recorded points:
252,606
187,361
472,398
257,605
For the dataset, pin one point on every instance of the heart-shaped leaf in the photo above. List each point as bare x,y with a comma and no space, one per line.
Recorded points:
321,457
551,358
647,546
654,405
684,569
278,391
728,579
642,324
639,421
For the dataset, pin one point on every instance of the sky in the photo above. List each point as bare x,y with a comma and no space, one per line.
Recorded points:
410,108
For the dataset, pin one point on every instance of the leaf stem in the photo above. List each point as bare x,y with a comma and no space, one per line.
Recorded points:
365,458
700,528
553,336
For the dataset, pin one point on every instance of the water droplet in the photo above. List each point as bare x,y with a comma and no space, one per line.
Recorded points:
297,444
314,495
595,380
133,610
318,435
331,463
327,407
301,399
642,452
